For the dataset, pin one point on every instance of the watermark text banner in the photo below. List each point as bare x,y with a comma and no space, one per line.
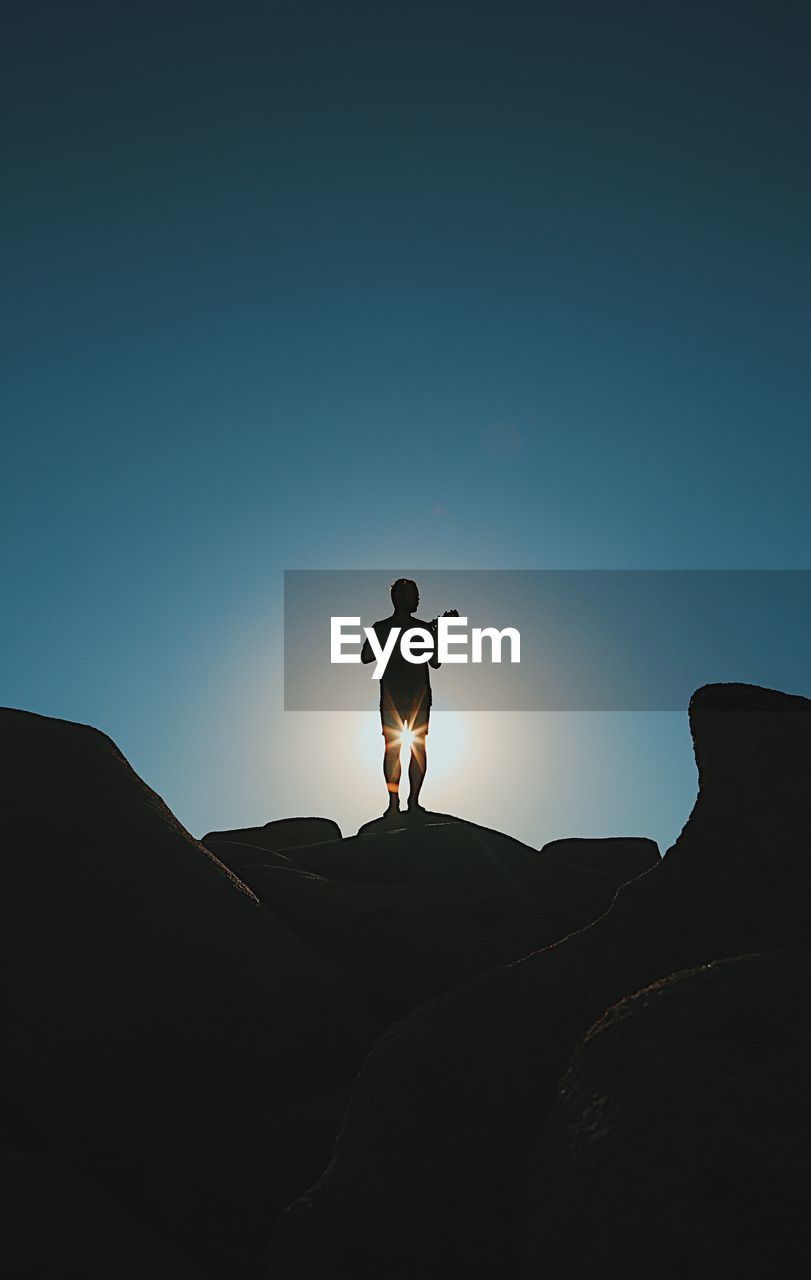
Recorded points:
591,640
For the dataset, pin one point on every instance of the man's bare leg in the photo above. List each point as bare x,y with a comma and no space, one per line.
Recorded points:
416,773
391,769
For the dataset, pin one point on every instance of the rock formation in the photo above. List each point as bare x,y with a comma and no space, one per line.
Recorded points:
429,1174
188,1026
679,1141
286,833
148,997
624,856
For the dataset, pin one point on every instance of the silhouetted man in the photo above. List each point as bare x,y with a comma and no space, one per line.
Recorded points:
405,697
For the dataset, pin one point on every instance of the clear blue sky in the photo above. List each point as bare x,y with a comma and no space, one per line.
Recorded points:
360,285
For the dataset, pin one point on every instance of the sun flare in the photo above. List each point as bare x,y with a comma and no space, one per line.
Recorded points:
407,739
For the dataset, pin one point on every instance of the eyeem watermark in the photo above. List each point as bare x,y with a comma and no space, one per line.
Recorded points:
587,639
417,644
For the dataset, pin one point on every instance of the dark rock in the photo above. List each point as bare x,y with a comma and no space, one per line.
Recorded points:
56,1222
150,986
138,955
679,1143
286,833
461,857
403,944
429,1172
403,820
625,856
239,856
224,1185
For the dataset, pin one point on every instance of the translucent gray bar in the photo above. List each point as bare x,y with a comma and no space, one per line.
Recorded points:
591,640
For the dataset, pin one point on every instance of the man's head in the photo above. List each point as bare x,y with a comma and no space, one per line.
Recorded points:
404,595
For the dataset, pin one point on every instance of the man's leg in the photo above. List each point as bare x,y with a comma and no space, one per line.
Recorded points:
391,767
416,772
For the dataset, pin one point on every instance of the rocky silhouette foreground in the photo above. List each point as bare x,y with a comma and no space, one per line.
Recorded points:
424,1051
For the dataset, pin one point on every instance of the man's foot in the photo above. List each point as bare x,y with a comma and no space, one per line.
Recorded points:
416,810
392,812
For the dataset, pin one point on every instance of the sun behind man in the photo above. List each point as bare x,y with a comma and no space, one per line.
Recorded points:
405,698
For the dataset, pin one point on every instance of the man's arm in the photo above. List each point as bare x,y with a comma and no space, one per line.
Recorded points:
433,627
433,661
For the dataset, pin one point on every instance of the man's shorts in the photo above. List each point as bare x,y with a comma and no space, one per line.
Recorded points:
395,713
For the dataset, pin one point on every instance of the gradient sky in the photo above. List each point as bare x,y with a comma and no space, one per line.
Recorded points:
365,285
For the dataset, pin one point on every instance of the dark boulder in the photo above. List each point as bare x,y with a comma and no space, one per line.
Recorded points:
217,1192
404,944
145,985
285,833
57,1222
679,1143
429,1173
461,857
238,856
625,856
405,820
